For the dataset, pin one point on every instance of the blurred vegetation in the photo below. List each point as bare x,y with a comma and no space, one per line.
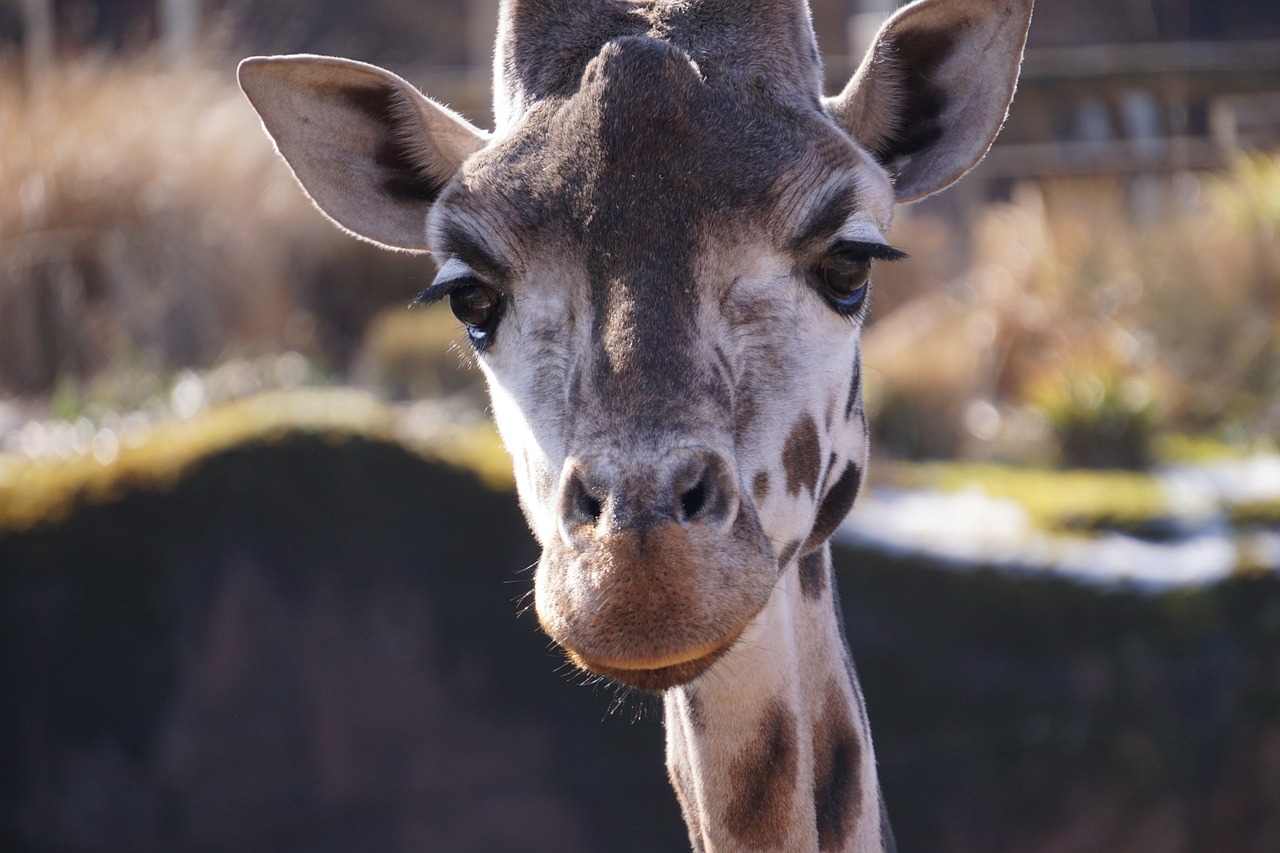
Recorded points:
151,228
1055,500
1088,322
413,353
148,222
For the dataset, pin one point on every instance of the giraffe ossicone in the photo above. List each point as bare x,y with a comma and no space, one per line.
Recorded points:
662,255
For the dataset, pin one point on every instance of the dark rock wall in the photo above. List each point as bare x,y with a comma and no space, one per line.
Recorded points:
313,645
1039,715
310,646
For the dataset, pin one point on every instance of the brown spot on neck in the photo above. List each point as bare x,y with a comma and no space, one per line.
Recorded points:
837,756
813,573
765,775
801,457
835,505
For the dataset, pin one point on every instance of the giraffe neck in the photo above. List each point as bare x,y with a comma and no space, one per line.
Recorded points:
770,749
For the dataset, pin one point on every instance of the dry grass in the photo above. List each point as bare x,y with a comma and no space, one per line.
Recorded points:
1088,318
124,227
145,216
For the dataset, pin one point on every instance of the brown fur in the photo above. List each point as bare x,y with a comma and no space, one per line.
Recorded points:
802,456
766,769
837,758
813,574
760,486
835,505
653,595
788,551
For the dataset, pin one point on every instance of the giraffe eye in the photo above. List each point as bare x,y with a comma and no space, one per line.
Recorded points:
844,276
479,307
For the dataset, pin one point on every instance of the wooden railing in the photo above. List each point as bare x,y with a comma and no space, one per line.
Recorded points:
1135,108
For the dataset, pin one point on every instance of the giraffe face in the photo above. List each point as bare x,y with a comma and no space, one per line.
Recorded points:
661,255
667,311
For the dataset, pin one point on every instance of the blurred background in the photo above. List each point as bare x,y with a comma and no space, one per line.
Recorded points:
261,560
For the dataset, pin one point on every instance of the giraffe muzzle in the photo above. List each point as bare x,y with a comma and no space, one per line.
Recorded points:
657,568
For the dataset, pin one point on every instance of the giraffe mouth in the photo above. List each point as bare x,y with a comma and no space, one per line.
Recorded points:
659,673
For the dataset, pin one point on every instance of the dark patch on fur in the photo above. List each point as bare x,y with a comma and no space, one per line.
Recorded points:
462,244
918,56
765,46
800,456
400,177
855,388
813,574
765,776
788,551
760,486
835,505
550,42
837,754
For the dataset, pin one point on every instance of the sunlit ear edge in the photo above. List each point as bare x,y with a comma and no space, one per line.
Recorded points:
368,148
988,37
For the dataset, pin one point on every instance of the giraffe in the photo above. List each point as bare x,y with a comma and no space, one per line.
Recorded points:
661,258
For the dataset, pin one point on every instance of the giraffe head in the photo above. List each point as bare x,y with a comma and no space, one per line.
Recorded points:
661,256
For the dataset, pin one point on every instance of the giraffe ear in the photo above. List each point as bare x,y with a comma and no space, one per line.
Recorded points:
371,151
933,90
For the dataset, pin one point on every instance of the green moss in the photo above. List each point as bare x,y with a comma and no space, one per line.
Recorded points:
1182,448
1075,499
1255,515
45,492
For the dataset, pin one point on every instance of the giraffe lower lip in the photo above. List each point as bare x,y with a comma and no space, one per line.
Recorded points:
660,673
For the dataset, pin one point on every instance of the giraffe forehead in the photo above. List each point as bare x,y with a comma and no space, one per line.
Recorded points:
647,158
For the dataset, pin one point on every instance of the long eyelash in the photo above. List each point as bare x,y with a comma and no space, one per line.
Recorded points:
431,295
440,289
877,251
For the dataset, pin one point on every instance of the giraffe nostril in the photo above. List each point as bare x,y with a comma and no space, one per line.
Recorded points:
694,500
584,506
704,491
693,488
590,506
